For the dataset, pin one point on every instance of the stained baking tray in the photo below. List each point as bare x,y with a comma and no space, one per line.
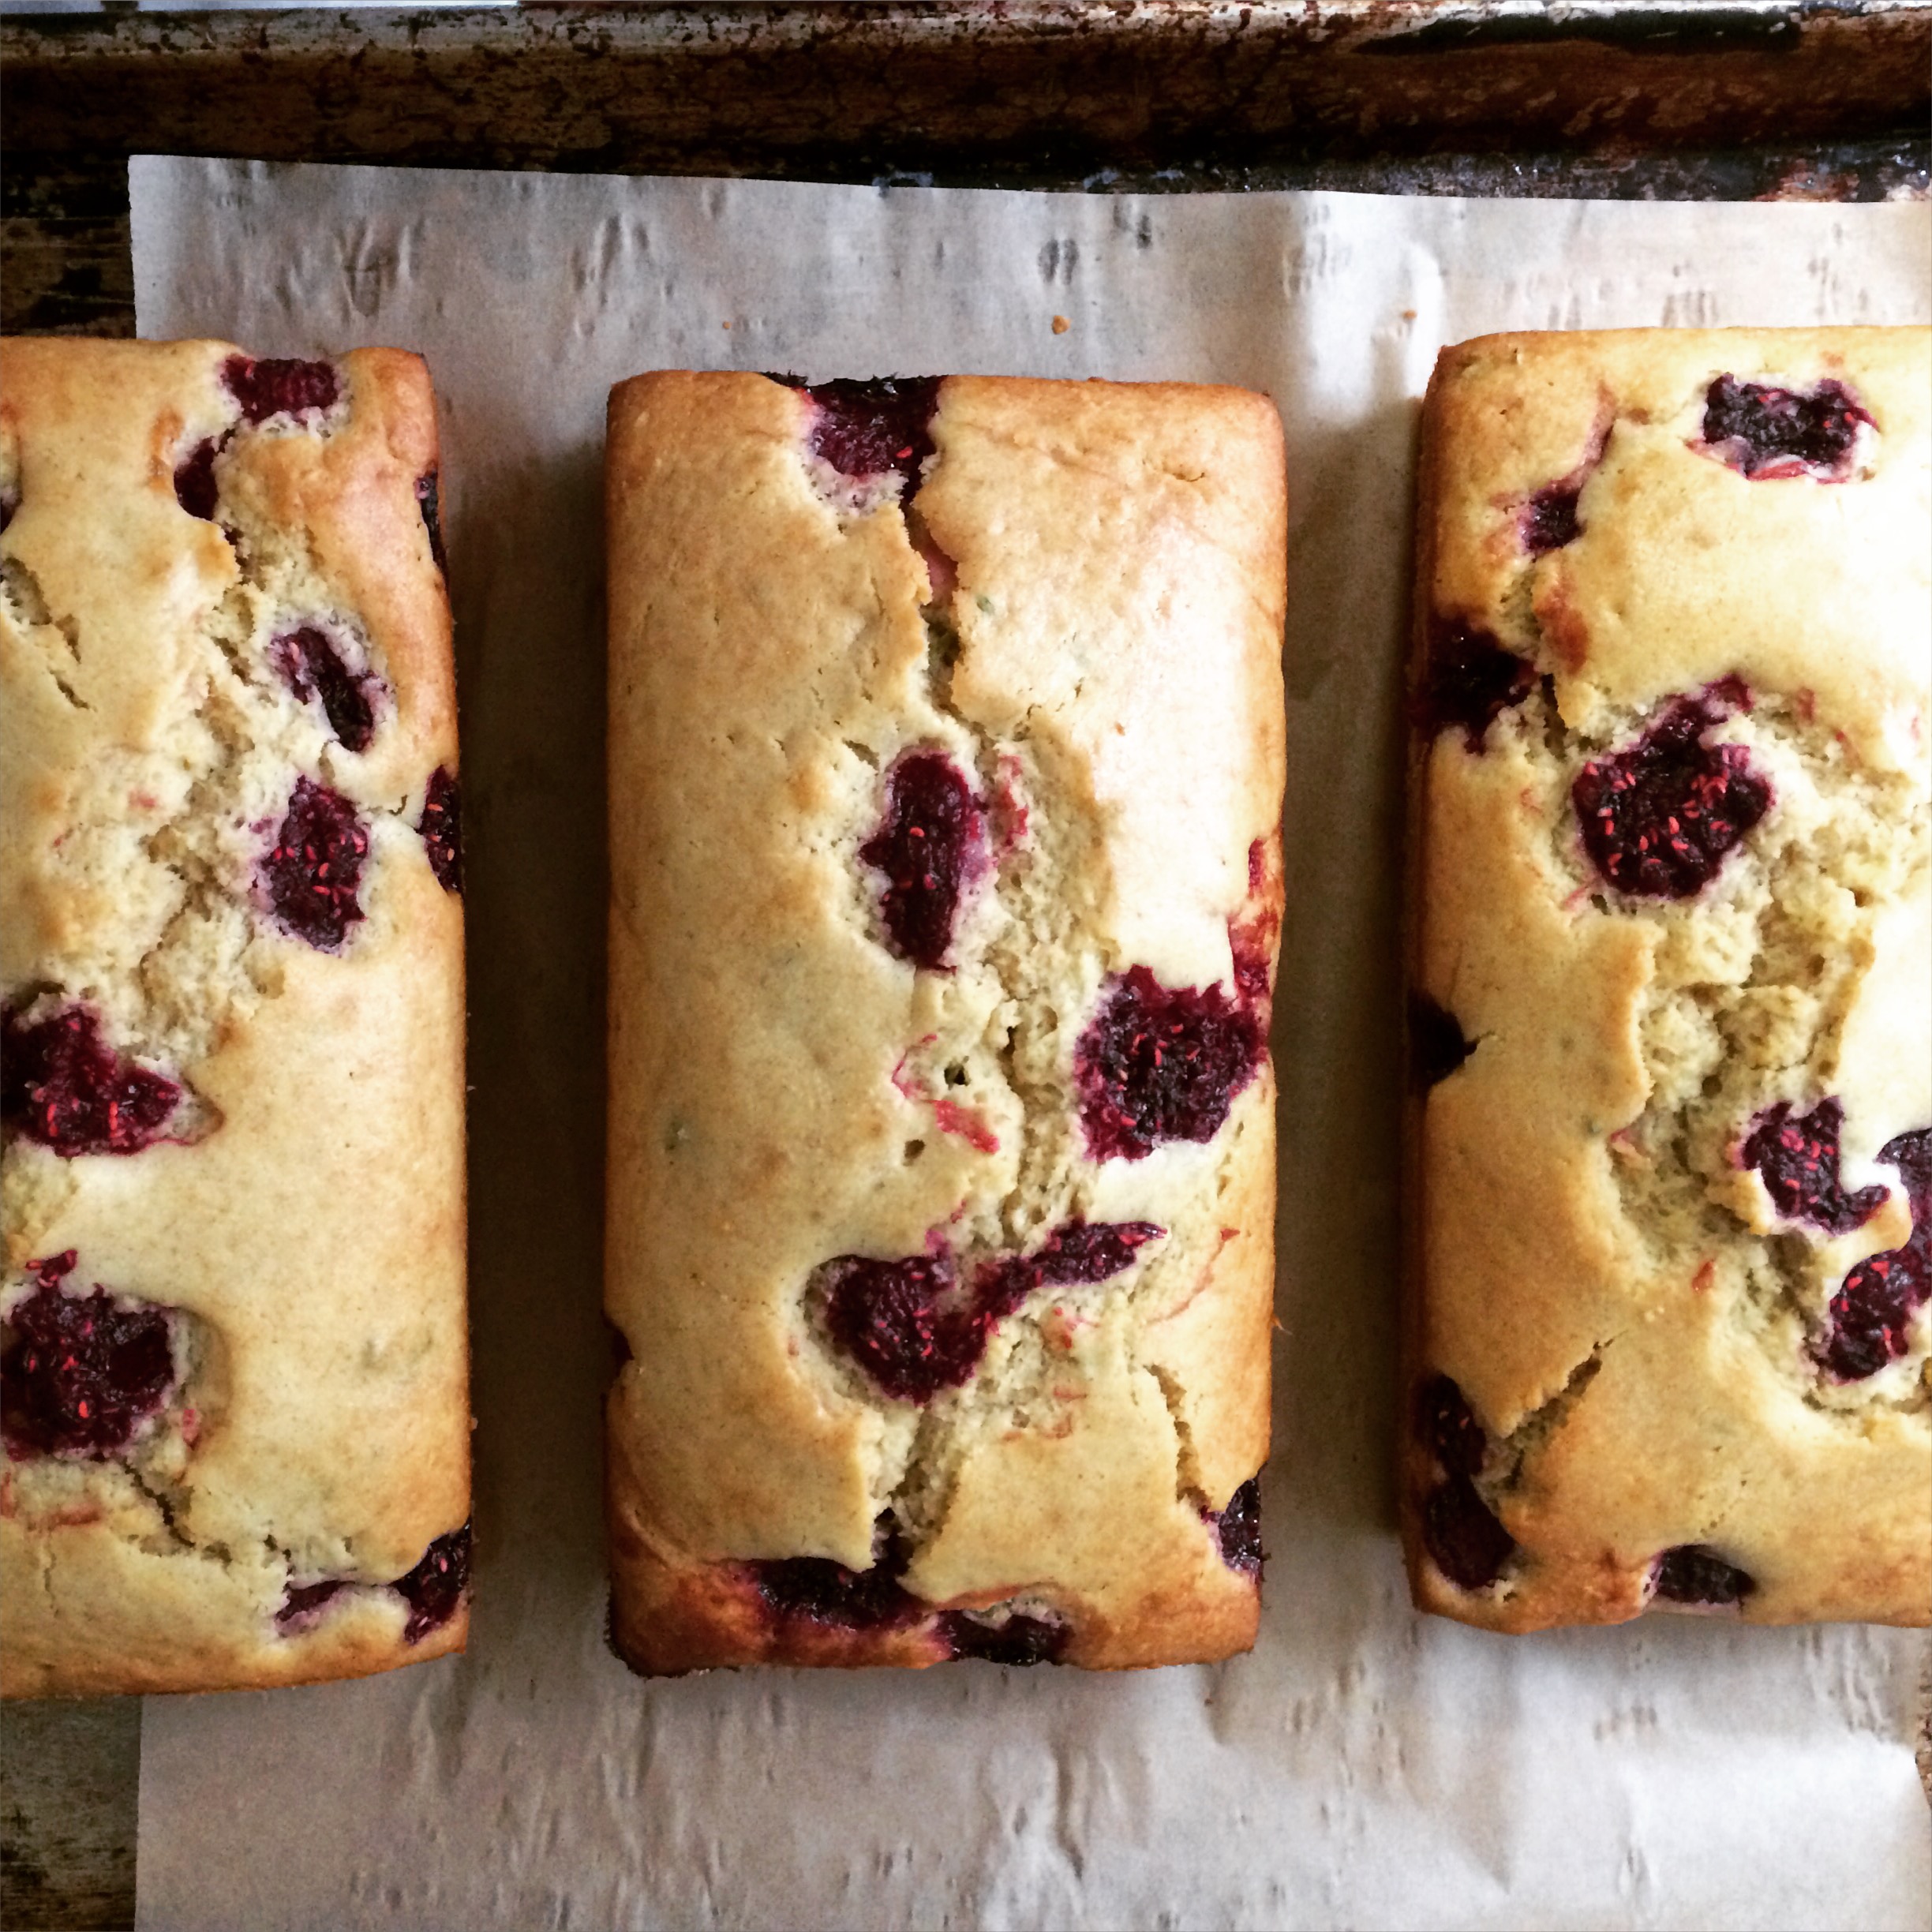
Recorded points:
1665,98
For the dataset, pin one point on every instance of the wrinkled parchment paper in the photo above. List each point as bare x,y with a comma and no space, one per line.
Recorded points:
1364,1766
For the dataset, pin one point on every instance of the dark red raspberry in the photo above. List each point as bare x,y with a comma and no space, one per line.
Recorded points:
1659,818
913,1330
1771,433
1445,1423
1437,1046
302,1603
1871,1314
1462,1534
1797,1155
930,845
65,1088
878,427
427,502
1549,519
441,827
903,1322
815,1589
194,480
81,1373
1238,1529
309,664
1020,1639
1075,1252
1459,1529
1471,680
275,386
1160,1063
437,1585
1690,1573
314,870
431,1591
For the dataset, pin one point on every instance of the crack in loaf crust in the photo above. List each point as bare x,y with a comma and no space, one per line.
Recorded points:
235,1369
836,1083
1671,964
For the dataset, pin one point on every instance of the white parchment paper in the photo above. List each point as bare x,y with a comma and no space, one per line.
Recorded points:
1364,1766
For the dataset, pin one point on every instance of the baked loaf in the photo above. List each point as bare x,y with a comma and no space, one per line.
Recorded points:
945,772
234,1374
1670,1027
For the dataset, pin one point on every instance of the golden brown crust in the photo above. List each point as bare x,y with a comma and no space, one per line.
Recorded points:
1589,1258
307,1226
785,1090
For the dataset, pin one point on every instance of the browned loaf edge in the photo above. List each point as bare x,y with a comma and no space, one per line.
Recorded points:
1081,607
286,1499
1622,1388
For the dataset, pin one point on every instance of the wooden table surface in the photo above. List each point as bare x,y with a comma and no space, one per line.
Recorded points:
1759,100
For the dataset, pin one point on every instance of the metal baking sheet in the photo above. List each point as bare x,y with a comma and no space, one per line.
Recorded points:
1064,85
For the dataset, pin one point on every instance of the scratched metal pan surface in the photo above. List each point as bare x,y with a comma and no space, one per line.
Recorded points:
1062,89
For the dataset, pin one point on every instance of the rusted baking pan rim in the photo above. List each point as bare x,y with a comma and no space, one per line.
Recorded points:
1060,86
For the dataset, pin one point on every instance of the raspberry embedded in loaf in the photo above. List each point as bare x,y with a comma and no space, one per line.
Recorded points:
1869,1317
82,1374
196,489
1077,1253
263,389
437,1584
1796,1156
931,847
274,386
909,1326
1437,1045
1463,1534
313,871
311,663
872,427
441,828
1549,519
1469,681
1446,1425
816,1592
1772,434
903,1322
431,1591
1659,818
1160,1063
815,1589
1015,1637
1238,1529
67,1088
1690,1573
302,1603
